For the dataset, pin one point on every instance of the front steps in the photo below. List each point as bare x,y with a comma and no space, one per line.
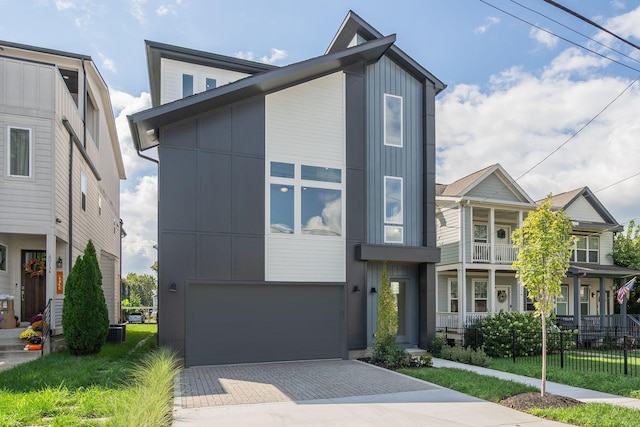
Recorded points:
12,351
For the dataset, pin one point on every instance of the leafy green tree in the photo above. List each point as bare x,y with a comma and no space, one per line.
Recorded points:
85,318
143,286
544,245
626,253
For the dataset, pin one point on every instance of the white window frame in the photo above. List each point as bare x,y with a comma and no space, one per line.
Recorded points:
390,225
30,175
6,258
99,205
565,303
485,299
384,120
587,250
298,184
450,299
83,191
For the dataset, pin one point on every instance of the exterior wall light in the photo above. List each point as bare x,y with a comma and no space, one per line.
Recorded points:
173,287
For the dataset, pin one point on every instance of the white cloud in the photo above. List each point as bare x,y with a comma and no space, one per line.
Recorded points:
108,63
276,55
162,10
489,22
137,12
64,5
543,37
523,117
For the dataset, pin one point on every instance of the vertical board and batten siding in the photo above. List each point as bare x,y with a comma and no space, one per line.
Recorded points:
493,188
385,76
305,124
448,229
581,210
172,71
26,101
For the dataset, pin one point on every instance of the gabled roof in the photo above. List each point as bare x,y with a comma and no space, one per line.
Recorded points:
144,124
156,51
565,200
354,25
463,186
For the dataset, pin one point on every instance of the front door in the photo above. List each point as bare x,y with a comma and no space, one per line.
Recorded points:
404,302
503,298
33,288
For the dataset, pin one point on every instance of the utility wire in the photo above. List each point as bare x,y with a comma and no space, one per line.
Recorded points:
575,31
589,21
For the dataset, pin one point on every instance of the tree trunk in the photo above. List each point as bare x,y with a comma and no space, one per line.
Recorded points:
544,354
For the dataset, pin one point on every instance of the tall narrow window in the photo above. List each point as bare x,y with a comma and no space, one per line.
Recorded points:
479,296
453,295
562,301
3,258
393,210
210,83
93,120
83,190
99,205
392,120
20,152
187,85
584,300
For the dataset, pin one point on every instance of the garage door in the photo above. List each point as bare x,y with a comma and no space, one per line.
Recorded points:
263,323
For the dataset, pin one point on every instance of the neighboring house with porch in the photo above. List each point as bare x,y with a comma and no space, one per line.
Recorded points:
282,193
60,172
475,217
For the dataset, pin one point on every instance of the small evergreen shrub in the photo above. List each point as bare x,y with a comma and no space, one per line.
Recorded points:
467,355
85,317
438,343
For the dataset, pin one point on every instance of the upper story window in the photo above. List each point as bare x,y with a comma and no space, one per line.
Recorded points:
480,233
210,83
187,85
392,120
305,199
20,152
393,210
3,257
586,249
99,205
93,119
83,190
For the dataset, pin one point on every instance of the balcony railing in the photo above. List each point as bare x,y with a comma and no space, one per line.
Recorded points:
502,253
452,320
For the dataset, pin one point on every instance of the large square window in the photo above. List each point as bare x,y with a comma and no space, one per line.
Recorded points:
321,211
392,120
19,152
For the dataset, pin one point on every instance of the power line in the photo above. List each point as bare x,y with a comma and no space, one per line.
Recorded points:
589,21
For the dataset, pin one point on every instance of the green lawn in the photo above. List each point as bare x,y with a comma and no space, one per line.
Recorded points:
102,390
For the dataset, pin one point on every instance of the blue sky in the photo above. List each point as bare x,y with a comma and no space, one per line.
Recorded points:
515,93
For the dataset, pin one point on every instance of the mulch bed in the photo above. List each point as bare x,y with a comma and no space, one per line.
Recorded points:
526,401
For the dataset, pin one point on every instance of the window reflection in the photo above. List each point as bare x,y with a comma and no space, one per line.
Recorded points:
282,202
321,211
393,120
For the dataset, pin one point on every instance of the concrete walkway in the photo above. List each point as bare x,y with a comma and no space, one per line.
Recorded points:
584,395
328,393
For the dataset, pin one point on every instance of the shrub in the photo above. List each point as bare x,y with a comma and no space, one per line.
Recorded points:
422,361
390,354
85,318
467,355
438,343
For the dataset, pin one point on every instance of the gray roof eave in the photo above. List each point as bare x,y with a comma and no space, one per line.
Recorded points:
144,124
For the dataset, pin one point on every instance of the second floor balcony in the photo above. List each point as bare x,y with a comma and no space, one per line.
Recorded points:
500,254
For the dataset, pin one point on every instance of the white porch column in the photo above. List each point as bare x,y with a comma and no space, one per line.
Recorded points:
462,272
519,287
491,235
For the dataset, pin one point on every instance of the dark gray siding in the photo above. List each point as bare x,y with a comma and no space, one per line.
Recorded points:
383,77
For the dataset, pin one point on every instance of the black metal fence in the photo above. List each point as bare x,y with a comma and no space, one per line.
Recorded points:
613,350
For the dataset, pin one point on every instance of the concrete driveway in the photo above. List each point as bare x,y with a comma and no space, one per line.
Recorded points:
327,393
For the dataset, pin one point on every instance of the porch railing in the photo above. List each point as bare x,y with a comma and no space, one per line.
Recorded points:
503,253
452,320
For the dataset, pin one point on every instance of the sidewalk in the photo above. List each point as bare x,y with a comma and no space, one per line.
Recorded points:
581,394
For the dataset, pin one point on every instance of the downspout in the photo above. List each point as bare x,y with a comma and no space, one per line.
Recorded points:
70,225
85,97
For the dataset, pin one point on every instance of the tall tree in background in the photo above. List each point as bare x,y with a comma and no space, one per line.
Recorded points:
143,286
544,245
626,253
85,317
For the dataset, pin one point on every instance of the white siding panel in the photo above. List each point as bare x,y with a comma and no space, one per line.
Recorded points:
172,71
581,210
305,125
606,248
305,259
493,188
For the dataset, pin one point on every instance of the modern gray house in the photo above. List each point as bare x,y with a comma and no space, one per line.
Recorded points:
283,190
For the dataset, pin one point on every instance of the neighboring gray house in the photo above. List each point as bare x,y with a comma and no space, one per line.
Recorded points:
281,193
475,218
60,172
